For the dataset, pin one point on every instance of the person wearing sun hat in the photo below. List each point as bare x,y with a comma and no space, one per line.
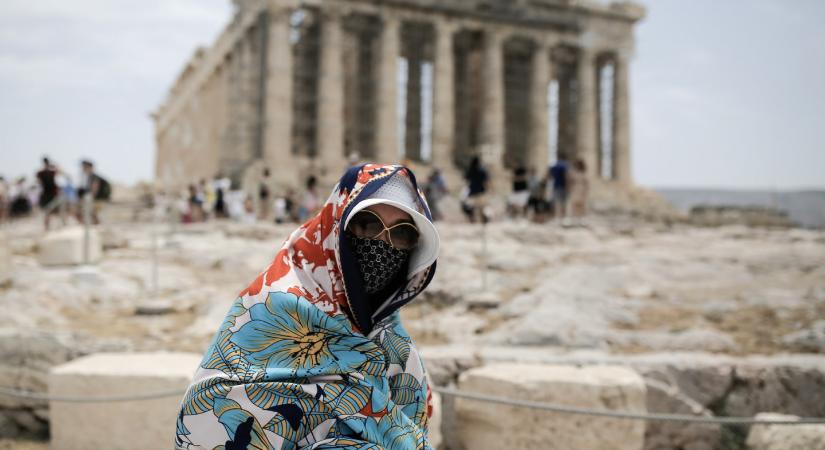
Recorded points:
312,354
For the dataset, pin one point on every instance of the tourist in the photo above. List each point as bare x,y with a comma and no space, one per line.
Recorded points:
19,203
93,192
435,189
247,215
194,210
537,204
313,351
579,189
265,195
49,200
558,176
517,201
207,196
220,185
477,181
310,201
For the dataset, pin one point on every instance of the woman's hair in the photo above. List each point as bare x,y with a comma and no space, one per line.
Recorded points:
580,165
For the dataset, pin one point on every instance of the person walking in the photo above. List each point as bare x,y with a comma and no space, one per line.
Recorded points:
49,200
579,189
313,353
265,196
309,200
435,189
477,183
558,175
93,192
517,202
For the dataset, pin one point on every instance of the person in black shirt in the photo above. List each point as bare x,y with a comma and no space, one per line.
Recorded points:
517,202
477,180
49,191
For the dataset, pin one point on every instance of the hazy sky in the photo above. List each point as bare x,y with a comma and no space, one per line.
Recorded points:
724,94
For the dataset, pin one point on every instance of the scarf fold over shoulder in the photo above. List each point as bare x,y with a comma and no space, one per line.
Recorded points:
301,362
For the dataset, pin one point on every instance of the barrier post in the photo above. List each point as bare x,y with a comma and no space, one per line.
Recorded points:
87,218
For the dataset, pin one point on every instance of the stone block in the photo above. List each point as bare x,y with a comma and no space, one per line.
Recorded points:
483,425
122,425
664,398
785,437
66,246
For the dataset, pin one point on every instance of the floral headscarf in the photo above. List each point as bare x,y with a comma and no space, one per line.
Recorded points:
300,363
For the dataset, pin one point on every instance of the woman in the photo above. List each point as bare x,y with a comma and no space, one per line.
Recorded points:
312,355
477,180
579,189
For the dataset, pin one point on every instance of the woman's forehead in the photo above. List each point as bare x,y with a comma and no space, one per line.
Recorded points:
390,214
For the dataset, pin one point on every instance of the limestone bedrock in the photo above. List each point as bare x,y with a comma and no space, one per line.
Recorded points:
491,426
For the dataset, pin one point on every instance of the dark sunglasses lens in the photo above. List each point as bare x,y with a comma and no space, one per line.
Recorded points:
365,225
404,236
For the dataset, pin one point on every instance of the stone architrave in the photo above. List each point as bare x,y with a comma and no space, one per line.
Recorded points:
278,102
621,121
331,97
387,129
444,97
586,111
539,133
486,426
492,120
121,425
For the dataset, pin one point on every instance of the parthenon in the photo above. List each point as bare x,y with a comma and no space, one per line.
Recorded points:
298,85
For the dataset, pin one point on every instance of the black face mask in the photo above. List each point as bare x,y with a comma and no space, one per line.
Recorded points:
378,261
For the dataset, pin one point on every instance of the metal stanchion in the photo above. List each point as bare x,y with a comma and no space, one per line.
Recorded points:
86,272
154,225
87,214
484,254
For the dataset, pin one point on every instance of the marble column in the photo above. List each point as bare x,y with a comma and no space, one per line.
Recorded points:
538,157
586,111
387,131
492,120
277,151
444,97
621,121
331,98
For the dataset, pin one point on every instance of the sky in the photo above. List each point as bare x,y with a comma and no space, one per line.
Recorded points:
723,95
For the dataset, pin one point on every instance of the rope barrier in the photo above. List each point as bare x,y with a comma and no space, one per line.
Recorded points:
105,399
653,417
551,407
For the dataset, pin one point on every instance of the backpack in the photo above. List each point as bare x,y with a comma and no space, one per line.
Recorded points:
104,189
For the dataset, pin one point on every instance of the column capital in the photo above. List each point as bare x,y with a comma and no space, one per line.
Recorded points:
282,8
391,20
331,13
444,25
549,42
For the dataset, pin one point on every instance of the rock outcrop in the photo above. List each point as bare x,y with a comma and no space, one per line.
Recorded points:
491,426
148,424
785,437
67,247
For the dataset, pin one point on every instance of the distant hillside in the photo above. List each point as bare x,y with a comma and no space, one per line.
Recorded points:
806,208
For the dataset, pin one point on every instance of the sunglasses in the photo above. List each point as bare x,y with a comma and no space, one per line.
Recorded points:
368,225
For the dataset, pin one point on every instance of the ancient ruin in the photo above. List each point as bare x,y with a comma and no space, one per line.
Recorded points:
299,85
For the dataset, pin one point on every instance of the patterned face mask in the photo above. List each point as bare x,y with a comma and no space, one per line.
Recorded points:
378,261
